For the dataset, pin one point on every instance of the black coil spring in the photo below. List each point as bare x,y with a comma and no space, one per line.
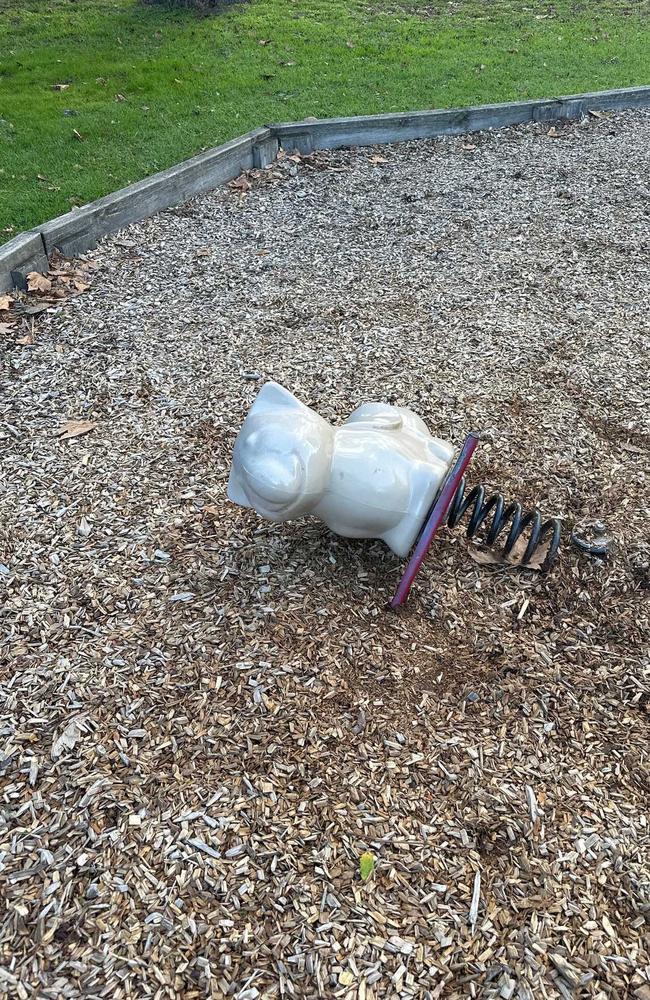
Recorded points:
502,513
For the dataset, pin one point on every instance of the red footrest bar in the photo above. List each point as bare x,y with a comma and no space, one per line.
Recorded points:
434,520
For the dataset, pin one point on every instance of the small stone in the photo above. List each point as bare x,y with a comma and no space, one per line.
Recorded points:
92,892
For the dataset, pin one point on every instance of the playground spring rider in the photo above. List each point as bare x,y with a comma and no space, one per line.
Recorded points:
380,474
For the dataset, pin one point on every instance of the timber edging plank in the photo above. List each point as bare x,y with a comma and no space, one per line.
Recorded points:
335,133
22,254
81,229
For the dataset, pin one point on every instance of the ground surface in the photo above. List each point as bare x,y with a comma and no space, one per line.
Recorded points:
144,86
208,718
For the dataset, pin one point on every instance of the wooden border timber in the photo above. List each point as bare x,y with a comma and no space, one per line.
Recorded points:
22,254
81,229
337,133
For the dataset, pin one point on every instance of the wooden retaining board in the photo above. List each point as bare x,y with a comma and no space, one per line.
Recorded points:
338,133
22,254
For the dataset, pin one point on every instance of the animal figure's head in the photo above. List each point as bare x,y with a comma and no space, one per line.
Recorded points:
282,456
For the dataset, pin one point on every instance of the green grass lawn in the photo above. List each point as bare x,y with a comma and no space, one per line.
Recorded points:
148,86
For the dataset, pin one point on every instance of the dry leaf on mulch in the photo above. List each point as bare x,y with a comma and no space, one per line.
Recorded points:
495,557
65,278
37,282
75,428
241,183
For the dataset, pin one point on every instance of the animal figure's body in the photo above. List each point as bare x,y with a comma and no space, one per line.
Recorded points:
375,476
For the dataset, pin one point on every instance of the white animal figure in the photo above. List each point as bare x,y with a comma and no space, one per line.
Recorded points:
375,476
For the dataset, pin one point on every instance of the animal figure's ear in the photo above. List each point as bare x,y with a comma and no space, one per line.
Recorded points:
384,422
275,397
379,416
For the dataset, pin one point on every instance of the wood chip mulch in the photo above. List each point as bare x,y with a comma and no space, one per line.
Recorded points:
207,720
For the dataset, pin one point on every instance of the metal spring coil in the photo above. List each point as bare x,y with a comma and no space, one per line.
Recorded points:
502,513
